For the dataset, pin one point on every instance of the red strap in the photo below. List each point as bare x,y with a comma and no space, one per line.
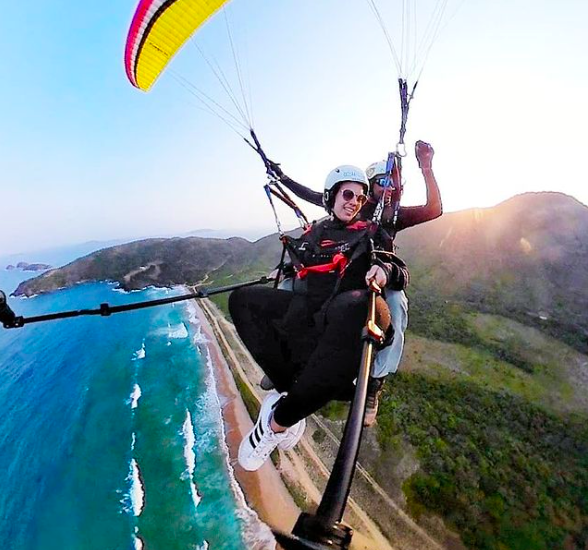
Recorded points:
339,262
359,225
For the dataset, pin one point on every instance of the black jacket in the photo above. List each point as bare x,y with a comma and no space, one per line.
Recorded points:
332,257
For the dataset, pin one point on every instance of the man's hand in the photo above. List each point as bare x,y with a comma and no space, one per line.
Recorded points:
377,274
424,154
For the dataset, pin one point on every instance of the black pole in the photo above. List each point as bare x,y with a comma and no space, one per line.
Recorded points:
10,320
7,316
337,490
324,530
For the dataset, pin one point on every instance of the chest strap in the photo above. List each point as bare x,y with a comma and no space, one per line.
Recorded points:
339,263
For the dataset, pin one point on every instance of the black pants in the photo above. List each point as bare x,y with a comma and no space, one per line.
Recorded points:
313,365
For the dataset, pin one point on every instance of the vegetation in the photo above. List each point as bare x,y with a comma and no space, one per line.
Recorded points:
335,410
222,302
299,495
498,468
318,436
565,332
222,278
448,322
503,473
164,262
251,403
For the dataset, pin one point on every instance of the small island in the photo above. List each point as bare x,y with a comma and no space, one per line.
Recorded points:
25,266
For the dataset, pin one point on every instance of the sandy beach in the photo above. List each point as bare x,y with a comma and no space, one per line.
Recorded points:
264,490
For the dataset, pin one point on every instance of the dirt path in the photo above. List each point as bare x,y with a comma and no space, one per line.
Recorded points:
141,269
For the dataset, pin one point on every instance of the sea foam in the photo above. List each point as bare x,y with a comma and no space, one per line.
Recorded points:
135,396
192,313
199,337
178,331
190,457
140,353
137,492
256,534
137,540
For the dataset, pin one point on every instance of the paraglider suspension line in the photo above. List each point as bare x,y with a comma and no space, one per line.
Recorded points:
276,189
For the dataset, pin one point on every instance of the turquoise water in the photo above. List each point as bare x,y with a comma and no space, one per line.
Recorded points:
110,432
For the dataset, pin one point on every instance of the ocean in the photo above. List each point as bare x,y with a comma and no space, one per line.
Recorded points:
111,434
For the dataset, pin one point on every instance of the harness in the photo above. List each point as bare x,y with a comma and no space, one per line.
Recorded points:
321,258
313,254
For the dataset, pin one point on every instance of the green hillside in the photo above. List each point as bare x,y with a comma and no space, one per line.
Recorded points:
526,259
502,472
498,449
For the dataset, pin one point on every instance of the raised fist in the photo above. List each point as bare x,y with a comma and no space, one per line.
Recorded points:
424,154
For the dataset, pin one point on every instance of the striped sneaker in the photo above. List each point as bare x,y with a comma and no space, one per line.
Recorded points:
296,432
259,443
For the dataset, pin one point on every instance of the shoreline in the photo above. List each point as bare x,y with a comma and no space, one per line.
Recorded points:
264,490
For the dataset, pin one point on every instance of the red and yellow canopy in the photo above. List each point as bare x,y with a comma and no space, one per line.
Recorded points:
158,30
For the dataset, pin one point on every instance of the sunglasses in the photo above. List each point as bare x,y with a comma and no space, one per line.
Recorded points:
381,181
348,195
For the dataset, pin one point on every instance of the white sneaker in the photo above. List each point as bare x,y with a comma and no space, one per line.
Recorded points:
259,443
294,434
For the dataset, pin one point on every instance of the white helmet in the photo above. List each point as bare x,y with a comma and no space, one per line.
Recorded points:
376,172
346,172
376,169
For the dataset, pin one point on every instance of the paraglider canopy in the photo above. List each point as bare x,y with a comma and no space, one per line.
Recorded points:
158,30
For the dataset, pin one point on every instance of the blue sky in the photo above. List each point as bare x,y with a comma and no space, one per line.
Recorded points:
85,156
